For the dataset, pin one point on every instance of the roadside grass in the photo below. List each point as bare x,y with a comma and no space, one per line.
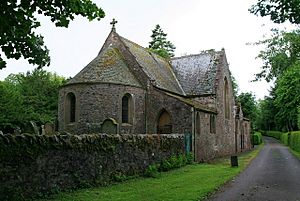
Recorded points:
192,182
296,153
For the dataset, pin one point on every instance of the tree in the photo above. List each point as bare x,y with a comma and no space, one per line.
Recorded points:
235,86
279,10
249,106
18,22
30,97
266,114
288,98
11,109
160,44
282,51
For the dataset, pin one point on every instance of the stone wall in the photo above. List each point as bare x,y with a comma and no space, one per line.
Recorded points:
33,164
225,133
181,113
97,102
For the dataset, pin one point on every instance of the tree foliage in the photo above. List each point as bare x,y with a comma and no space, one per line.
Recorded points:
160,44
281,52
288,98
281,61
266,111
279,10
18,22
29,97
249,105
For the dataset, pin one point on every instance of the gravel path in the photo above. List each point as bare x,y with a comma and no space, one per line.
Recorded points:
274,175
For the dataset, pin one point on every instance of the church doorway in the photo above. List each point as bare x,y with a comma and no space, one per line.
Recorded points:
164,124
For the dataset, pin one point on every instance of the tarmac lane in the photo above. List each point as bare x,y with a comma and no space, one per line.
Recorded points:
274,175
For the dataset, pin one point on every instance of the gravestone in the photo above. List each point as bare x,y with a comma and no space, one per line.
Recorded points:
109,126
42,130
34,127
49,128
17,130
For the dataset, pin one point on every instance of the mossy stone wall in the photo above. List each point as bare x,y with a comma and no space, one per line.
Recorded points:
32,165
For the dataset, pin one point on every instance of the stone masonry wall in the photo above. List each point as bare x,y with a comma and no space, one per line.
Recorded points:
225,132
97,102
180,112
32,164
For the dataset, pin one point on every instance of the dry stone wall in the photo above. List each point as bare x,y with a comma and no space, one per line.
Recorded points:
38,164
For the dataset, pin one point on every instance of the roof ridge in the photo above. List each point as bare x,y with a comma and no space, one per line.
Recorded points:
203,52
144,48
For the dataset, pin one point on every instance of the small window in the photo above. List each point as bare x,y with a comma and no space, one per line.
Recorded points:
226,99
127,109
212,123
198,123
70,107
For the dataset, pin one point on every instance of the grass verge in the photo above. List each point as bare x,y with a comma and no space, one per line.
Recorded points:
296,153
192,182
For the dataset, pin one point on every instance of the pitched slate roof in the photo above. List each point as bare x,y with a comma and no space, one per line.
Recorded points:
108,67
197,73
190,75
156,68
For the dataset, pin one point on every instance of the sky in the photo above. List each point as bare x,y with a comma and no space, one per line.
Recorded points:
192,26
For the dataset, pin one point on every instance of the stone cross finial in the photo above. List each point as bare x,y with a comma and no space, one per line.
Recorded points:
113,23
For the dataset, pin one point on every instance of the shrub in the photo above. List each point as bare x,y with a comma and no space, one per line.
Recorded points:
284,138
176,162
257,138
151,171
189,158
295,140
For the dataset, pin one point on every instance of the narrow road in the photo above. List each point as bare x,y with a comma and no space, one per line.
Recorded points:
274,175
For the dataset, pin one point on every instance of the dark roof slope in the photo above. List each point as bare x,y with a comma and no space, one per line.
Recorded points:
108,67
156,68
197,73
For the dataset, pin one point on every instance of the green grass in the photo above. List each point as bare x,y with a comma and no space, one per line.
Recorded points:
192,182
296,153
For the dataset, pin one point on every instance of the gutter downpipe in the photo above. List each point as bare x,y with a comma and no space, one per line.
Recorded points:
193,132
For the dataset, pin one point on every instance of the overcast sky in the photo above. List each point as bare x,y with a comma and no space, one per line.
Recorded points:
191,25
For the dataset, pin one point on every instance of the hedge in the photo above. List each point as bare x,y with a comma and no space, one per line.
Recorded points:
291,139
257,138
294,142
284,138
274,134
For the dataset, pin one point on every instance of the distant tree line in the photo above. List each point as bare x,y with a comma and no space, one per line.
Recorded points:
32,96
281,64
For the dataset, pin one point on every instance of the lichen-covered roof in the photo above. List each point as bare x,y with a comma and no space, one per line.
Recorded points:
157,68
197,73
108,67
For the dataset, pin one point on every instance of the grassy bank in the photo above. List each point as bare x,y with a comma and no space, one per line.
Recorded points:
192,182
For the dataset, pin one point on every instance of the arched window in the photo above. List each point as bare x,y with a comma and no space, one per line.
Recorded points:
198,124
164,123
70,108
212,123
127,108
226,99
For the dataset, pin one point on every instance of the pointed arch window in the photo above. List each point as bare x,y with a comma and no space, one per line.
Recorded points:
164,123
212,124
127,109
70,107
226,99
198,129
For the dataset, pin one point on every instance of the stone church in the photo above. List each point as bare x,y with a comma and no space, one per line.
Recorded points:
128,89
